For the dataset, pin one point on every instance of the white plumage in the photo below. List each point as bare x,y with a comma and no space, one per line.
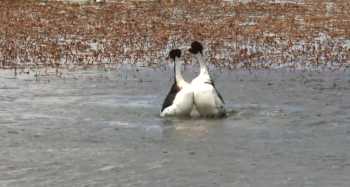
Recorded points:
207,100
179,101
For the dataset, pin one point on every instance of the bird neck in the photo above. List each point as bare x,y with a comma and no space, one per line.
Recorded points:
178,75
203,66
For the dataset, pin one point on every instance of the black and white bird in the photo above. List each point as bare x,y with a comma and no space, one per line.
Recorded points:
179,101
207,100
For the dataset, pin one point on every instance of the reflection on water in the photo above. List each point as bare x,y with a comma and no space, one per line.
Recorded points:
103,128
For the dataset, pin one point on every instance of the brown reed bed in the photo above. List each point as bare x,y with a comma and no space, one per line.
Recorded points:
259,34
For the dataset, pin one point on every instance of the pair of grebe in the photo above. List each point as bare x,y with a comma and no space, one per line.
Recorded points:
200,94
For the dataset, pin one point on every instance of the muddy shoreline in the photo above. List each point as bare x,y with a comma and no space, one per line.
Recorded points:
257,34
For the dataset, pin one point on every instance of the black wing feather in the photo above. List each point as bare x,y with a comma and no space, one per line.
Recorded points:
222,99
168,101
219,95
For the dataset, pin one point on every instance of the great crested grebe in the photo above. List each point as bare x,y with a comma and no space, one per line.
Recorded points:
179,101
207,100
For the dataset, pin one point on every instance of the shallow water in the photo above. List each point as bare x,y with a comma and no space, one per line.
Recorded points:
96,128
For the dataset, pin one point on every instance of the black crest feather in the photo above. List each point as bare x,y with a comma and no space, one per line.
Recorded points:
175,53
196,47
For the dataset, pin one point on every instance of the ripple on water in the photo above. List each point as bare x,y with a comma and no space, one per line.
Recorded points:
118,124
124,101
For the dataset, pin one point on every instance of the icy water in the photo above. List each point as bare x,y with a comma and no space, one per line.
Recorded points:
96,128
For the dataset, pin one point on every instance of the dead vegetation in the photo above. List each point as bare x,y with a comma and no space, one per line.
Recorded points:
250,35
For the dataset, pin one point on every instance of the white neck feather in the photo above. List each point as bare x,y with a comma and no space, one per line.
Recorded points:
203,66
178,75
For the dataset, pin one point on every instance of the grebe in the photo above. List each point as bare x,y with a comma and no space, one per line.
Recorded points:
208,101
179,101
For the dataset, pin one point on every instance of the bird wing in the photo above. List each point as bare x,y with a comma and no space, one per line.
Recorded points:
168,101
211,82
218,93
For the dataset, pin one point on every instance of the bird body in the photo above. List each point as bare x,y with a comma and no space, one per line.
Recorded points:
207,100
179,101
181,104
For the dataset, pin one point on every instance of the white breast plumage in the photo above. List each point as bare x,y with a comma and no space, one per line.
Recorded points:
179,101
207,99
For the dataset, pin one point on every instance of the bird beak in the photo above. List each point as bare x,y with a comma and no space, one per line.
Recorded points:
190,50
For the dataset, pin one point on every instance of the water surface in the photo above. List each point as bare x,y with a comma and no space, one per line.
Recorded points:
97,128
